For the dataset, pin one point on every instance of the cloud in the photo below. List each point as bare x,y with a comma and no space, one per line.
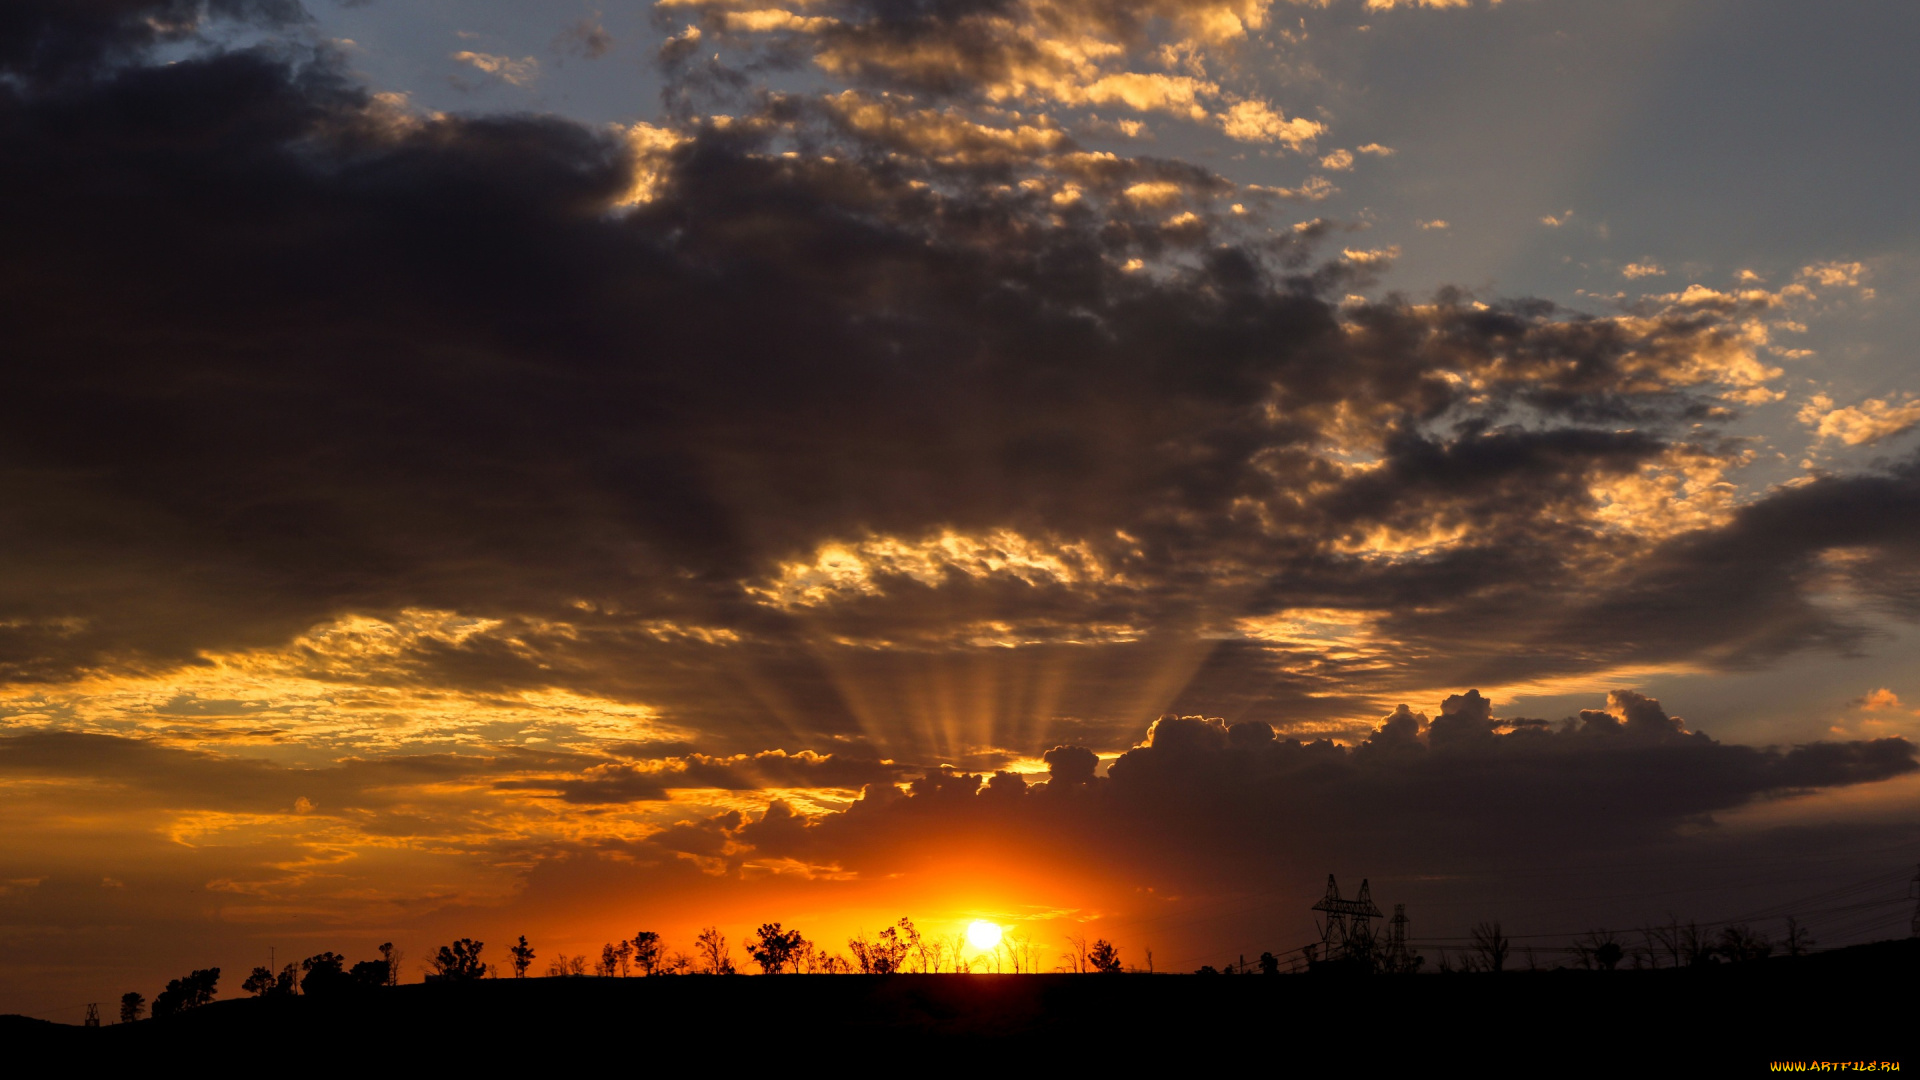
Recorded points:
1635,271
521,72
566,455
586,38
1871,421
1879,700
1199,801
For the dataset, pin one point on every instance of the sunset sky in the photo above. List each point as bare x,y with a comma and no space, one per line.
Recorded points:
1096,466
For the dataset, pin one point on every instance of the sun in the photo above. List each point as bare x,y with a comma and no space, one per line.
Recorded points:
983,935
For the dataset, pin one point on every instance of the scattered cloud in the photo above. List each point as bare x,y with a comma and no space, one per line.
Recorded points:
1871,421
521,72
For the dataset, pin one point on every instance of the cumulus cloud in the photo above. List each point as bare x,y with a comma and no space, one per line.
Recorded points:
1869,422
1199,800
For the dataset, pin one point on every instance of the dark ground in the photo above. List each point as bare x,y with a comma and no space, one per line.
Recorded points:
1854,1004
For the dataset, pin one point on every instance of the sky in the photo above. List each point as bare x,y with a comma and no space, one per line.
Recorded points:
481,469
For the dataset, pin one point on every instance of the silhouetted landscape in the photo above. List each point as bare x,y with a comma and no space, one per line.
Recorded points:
1734,1015
1678,993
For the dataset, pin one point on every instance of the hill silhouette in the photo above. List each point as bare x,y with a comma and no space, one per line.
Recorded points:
1851,1004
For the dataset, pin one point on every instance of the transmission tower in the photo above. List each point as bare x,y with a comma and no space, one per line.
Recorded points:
93,1014
1394,957
1347,933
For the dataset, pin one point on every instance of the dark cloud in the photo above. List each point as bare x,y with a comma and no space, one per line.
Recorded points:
1199,801
283,354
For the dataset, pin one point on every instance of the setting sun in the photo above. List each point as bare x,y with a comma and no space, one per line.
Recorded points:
983,935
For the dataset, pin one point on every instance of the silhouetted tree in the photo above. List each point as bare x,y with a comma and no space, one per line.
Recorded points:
623,952
1696,946
1740,942
679,963
459,961
1104,957
368,975
647,955
1076,954
884,953
260,982
1207,969
609,961
324,973
563,966
522,954
190,992
1599,950
711,950
774,949
1491,947
1797,941
1269,964
392,957
131,1006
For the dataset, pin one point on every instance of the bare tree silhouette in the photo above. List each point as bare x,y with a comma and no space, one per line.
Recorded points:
1491,947
392,957
1696,946
522,954
563,966
1598,950
132,1005
711,950
1798,940
1739,943
929,953
1076,954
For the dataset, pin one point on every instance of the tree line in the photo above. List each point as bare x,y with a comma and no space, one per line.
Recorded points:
772,948
903,949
